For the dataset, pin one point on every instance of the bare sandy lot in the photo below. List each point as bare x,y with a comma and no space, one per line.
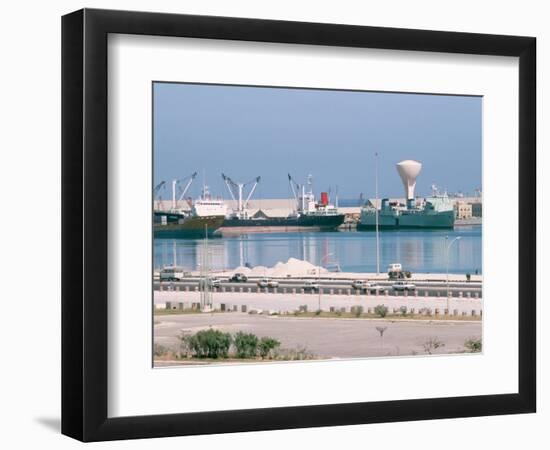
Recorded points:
327,337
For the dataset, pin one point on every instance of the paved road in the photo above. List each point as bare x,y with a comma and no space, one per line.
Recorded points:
328,338
427,288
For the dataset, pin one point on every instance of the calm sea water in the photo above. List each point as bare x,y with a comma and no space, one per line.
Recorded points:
418,251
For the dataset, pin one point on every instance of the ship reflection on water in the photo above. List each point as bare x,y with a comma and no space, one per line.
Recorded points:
418,251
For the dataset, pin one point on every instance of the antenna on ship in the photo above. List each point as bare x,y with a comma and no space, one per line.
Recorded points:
376,207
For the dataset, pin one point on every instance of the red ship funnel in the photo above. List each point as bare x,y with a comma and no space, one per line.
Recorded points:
324,198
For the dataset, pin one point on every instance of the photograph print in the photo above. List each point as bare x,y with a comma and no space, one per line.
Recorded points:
301,224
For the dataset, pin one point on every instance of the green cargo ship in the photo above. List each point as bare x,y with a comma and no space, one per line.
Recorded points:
435,212
180,226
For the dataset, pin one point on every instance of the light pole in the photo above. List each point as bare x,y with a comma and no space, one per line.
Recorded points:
447,266
377,212
319,278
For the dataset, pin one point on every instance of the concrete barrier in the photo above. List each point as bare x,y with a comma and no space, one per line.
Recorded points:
460,294
468,294
476,294
177,288
386,293
331,292
186,288
339,291
293,291
223,288
249,290
416,293
348,291
284,290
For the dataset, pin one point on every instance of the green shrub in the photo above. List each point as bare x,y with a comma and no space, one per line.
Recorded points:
210,344
381,310
473,345
246,345
267,345
358,311
160,350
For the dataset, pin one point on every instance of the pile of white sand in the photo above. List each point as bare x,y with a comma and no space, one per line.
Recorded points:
293,267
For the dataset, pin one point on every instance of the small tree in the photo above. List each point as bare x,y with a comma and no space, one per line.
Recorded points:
403,310
381,331
267,345
473,345
246,345
432,344
381,310
358,311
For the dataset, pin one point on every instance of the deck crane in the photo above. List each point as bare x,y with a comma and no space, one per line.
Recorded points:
236,191
301,189
175,184
156,195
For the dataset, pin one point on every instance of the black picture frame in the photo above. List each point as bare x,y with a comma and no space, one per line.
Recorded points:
84,224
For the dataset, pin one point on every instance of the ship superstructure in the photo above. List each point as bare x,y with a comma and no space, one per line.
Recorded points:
203,217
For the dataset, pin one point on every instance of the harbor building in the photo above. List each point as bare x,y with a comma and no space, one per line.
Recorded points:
463,210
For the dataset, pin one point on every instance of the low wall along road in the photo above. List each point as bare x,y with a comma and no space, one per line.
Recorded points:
293,299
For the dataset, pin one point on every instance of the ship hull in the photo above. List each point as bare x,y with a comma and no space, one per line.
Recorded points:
440,220
282,224
188,228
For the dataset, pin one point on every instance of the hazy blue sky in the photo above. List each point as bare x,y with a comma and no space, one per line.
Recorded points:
333,135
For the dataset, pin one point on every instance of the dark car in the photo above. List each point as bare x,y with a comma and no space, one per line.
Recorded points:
238,278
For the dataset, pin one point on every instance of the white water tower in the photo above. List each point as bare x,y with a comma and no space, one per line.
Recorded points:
408,171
